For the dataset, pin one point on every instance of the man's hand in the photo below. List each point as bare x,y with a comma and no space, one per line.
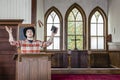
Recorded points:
9,30
54,33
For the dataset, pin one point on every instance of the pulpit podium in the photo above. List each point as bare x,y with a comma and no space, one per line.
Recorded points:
33,66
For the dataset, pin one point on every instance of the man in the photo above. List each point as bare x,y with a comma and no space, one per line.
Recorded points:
30,45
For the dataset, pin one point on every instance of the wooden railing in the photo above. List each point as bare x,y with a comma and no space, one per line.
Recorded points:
72,59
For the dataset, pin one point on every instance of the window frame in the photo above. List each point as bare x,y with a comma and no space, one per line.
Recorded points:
48,12
75,5
105,28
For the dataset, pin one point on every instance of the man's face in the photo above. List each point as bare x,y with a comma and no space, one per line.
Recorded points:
29,33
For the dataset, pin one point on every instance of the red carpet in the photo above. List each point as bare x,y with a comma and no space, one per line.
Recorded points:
85,77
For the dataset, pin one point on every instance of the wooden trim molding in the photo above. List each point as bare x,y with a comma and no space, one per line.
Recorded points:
33,11
33,14
10,21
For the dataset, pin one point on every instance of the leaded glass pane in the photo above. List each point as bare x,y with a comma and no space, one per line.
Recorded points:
49,29
71,27
79,28
56,20
93,42
97,14
93,19
56,43
71,17
75,11
71,42
79,41
53,14
93,30
49,20
100,29
100,19
100,42
79,17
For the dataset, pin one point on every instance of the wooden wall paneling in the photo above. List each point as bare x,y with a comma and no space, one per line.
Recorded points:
99,60
114,53
114,58
7,64
5,46
59,60
79,59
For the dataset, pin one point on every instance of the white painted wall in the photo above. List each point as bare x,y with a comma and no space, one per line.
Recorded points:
87,5
16,9
114,20
40,16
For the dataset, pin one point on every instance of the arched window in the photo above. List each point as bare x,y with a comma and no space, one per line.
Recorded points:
75,28
97,30
53,17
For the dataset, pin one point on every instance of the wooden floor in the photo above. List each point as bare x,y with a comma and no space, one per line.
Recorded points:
85,70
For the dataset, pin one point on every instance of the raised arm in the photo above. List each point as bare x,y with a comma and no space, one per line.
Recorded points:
9,30
50,41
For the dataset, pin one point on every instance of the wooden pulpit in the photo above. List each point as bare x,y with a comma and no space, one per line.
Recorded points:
33,66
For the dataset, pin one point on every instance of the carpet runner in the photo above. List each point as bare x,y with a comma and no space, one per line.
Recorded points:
85,77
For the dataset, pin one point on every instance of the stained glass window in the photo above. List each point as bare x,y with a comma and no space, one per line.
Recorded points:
75,30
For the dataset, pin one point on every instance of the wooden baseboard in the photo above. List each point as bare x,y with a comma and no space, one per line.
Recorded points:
85,70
